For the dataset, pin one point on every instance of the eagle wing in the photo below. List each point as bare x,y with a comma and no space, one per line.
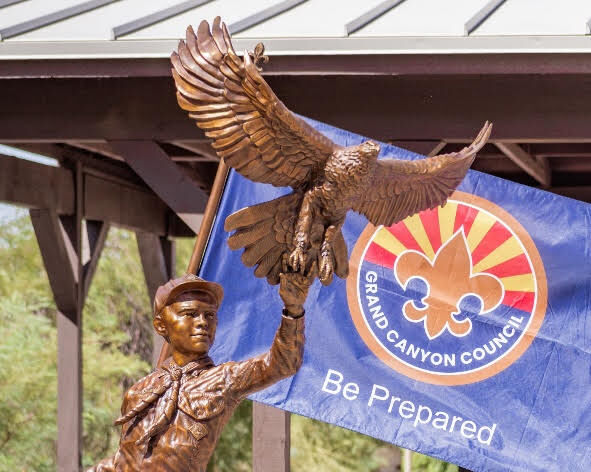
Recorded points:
231,102
402,188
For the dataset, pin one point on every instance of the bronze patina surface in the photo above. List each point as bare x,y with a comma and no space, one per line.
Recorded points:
172,418
253,131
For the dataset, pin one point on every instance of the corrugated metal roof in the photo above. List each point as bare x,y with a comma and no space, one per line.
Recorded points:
140,28
538,17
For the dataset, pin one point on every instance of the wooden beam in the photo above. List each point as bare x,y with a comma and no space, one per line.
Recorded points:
539,170
114,169
163,176
158,262
59,258
426,148
404,107
437,149
270,439
199,147
35,185
124,206
582,193
560,149
99,147
104,149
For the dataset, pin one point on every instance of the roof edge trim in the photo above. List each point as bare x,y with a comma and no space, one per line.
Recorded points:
130,49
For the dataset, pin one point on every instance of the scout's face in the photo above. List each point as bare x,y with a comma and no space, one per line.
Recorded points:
189,324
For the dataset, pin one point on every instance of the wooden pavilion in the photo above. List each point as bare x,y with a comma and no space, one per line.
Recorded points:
88,83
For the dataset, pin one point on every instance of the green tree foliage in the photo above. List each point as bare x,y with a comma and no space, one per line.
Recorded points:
234,450
28,383
28,350
28,387
321,446
422,463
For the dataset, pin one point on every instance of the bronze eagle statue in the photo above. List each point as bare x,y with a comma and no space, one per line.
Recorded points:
255,133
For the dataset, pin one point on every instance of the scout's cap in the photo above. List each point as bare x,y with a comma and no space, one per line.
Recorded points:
187,283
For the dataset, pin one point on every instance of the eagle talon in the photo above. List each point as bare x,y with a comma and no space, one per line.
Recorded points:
297,260
326,269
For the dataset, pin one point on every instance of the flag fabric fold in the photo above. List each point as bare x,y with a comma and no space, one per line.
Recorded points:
463,332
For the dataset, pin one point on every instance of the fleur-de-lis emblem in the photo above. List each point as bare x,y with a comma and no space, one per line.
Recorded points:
258,56
449,279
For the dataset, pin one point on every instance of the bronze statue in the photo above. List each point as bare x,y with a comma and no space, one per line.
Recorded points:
259,137
173,417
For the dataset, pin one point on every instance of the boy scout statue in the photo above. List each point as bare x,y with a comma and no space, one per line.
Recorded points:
173,417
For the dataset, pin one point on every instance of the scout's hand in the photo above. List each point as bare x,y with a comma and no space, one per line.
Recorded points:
293,290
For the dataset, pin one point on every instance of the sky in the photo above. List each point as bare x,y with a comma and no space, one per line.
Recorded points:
11,211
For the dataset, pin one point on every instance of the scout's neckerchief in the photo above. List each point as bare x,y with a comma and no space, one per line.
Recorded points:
171,383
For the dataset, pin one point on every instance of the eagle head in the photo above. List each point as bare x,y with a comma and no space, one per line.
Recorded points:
369,149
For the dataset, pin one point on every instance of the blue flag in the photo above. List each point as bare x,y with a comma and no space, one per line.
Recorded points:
463,332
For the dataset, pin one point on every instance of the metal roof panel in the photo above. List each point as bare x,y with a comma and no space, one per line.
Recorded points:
229,10
537,17
6,3
24,11
315,18
96,24
312,27
424,18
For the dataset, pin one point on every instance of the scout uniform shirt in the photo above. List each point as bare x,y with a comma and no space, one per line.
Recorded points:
206,398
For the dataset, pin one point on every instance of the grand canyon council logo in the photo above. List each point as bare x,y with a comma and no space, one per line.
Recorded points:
450,296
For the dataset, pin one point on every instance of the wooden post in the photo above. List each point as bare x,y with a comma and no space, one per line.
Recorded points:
62,243
158,261
270,439
60,260
407,462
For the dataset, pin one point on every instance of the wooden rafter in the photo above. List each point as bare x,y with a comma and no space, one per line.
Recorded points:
437,149
200,147
103,148
538,169
165,178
